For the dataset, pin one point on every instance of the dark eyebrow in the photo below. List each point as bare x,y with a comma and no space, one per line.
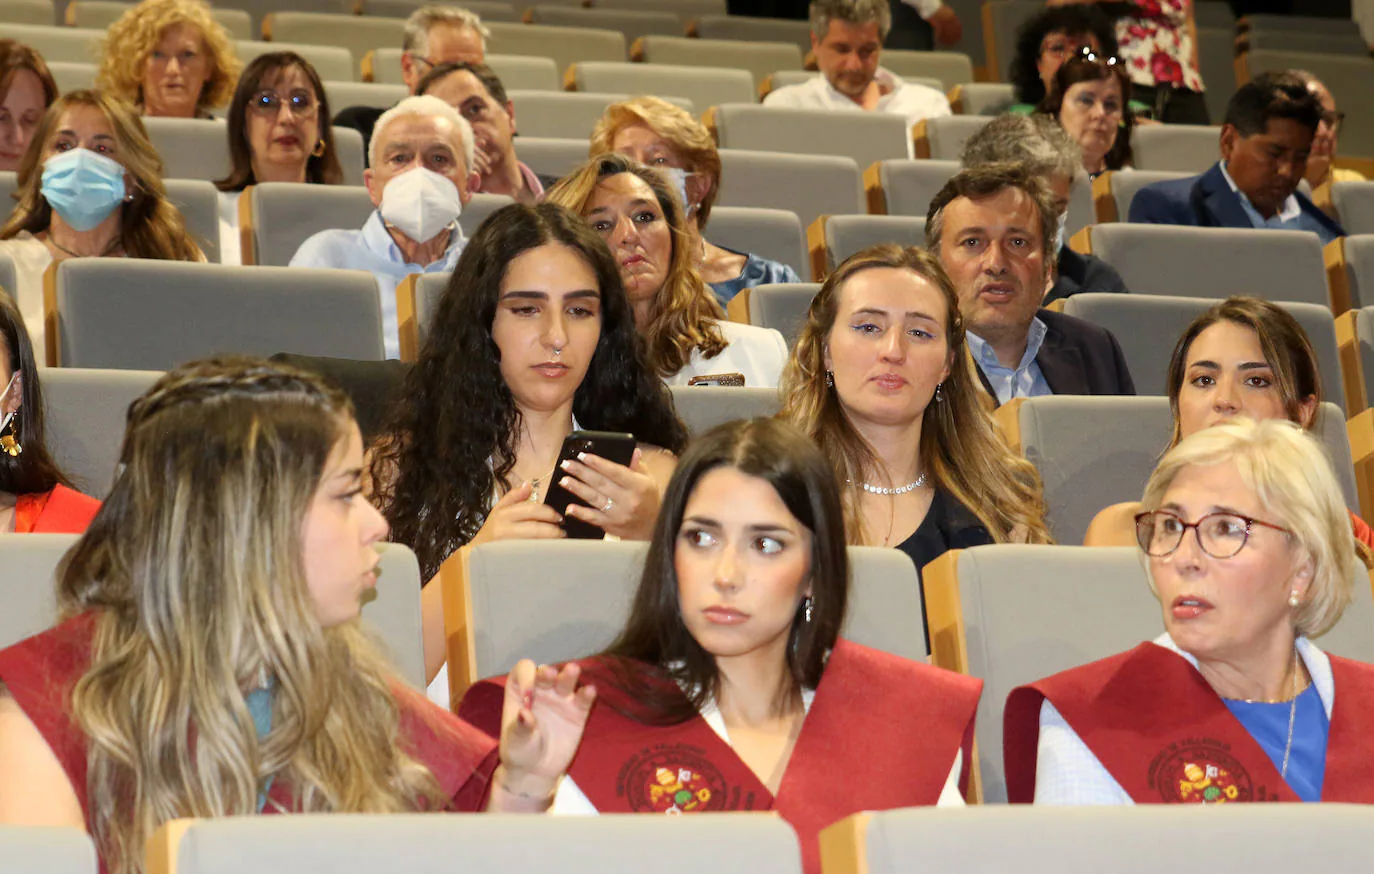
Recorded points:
544,295
766,528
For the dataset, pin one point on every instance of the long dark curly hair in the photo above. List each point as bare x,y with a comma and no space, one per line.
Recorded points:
1074,20
450,438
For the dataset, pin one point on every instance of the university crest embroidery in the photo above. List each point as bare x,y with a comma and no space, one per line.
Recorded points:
1200,771
672,779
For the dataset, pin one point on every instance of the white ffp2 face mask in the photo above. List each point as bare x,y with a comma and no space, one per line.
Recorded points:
420,203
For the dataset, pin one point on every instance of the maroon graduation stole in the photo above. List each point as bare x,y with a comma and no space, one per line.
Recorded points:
881,733
1163,733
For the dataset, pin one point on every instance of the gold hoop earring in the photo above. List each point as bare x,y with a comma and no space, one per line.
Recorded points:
319,149
9,441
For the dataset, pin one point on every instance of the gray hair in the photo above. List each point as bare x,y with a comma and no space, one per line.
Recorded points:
851,12
1037,141
424,106
421,20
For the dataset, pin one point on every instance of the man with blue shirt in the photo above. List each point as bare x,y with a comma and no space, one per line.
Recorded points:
1265,141
420,178
993,228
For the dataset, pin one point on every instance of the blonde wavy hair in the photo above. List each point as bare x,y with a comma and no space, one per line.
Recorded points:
685,310
194,571
130,40
151,226
688,137
962,451
1293,481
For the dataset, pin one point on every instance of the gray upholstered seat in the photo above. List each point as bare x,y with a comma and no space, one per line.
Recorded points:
1349,42
198,202
1354,203
565,45
85,412
739,27
1147,326
191,148
1093,452
429,289
1006,17
1215,262
152,315
476,210
1124,186
333,63
1216,61
564,114
79,45
488,10
48,850
909,186
704,86
100,14
1364,321
769,233
427,844
1350,79
847,234
552,156
286,214
949,68
71,76
517,72
631,23
807,185
683,9
357,34
781,306
1180,148
945,136
557,600
984,98
9,184
345,94
37,12
8,282
759,58
864,137
1012,600
702,407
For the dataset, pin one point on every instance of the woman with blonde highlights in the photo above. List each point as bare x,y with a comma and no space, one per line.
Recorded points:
1247,547
211,661
169,58
658,134
90,186
636,211
881,381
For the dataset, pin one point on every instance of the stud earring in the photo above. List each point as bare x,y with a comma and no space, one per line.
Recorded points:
9,441
806,608
1293,599
830,379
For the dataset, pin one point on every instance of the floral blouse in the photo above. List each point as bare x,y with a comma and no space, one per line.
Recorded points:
1156,44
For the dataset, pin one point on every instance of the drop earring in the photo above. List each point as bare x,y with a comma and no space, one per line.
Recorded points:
806,608
830,379
9,441
318,151
939,393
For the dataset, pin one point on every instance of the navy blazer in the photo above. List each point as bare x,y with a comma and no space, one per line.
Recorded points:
1205,201
1078,358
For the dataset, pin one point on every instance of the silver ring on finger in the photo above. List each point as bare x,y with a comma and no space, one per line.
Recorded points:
606,507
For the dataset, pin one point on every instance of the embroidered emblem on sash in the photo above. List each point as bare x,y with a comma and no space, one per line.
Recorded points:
672,779
1200,771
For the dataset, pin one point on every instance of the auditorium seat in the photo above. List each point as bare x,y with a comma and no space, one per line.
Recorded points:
9,184
864,137
566,114
944,138
1177,148
685,10
365,844
551,156
47,850
633,24
276,217
1014,614
517,72
198,202
1355,334
84,410
197,148
981,98
1216,62
948,67
806,185
28,591
775,234
749,29
417,298
565,45
1112,192
781,305
1213,262
1001,20
100,14
1092,452
152,315
552,601
333,63
906,187
345,94
488,10
357,34
704,86
71,76
1354,202
759,58
1147,326
832,239
702,407
1349,42
36,12
80,45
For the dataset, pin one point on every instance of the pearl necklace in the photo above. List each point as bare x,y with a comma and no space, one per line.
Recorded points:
897,490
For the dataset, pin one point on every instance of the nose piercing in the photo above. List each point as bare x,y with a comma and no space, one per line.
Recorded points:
557,352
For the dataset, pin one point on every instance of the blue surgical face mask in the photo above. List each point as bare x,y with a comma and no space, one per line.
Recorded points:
83,187
678,177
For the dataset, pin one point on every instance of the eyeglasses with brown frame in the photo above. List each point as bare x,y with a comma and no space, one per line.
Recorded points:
1220,535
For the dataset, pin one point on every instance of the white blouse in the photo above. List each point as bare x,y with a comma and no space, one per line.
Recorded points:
31,259
757,353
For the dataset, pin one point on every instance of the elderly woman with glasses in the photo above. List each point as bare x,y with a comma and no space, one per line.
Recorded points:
1248,549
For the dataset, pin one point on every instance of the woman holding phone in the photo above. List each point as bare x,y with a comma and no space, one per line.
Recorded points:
533,339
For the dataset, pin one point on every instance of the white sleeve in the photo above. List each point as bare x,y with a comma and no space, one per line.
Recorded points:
924,8
1066,771
950,795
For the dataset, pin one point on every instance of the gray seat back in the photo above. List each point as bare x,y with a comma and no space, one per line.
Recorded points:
704,86
1351,42
476,210
79,45
864,137
517,72
759,58
1125,185
1012,599
986,98
39,12
910,186
487,10
847,234
393,612
552,156
191,148
359,844
85,413
783,307
9,185
152,315
71,76
48,849
100,14
564,114
1364,322
1215,262
1007,17
28,586
1354,203
806,185
949,68
1216,62
1147,327
702,407
631,23
345,94
198,202
565,45
555,601
775,234
685,10
948,134
429,290
286,214
357,34
739,27
332,62
1179,148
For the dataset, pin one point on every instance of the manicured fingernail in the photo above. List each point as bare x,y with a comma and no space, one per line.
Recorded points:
581,456
565,481
567,464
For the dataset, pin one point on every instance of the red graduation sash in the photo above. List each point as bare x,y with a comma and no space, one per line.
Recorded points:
881,733
1162,732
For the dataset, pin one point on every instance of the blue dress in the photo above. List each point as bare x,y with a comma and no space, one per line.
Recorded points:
757,271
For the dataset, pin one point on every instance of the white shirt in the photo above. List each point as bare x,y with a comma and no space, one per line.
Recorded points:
916,102
1067,772
31,258
230,249
757,353
569,800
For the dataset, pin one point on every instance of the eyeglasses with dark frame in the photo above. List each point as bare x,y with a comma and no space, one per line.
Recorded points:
1220,535
268,102
1333,120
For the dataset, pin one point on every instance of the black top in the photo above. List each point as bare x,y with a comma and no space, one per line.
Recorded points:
948,525
362,119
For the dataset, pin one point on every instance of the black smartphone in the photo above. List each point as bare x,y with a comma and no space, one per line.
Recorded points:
610,445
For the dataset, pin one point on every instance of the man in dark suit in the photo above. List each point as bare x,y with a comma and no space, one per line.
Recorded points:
993,227
1265,141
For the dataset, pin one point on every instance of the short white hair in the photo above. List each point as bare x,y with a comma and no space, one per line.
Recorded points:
420,22
424,106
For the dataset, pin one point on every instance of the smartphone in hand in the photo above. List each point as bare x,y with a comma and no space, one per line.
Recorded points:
610,445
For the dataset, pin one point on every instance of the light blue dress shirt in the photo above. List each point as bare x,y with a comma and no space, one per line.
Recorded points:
373,250
1289,218
1026,381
